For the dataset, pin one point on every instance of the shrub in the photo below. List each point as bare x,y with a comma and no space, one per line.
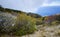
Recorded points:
39,21
24,25
55,22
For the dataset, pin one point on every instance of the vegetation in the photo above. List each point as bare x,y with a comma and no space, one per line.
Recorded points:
22,23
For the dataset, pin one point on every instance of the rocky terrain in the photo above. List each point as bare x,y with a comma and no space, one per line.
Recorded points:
46,31
15,23
7,20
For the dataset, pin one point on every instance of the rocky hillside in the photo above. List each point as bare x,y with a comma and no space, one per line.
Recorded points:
52,18
7,21
17,23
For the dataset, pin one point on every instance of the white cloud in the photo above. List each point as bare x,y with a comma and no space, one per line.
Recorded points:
51,4
31,5
27,5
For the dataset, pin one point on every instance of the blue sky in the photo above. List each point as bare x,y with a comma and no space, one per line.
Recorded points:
49,10
28,5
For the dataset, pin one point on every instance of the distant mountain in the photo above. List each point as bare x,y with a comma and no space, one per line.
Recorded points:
34,15
14,12
49,10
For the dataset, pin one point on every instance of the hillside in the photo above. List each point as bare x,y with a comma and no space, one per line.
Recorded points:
17,23
52,18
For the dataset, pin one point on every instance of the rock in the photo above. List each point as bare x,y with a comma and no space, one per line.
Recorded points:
7,21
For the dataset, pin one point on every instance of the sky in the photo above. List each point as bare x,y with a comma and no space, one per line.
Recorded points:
28,5
48,10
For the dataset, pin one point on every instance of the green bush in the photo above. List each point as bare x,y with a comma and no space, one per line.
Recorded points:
39,21
24,25
55,22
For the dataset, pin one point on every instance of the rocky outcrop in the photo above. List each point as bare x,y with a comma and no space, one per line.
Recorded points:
7,21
